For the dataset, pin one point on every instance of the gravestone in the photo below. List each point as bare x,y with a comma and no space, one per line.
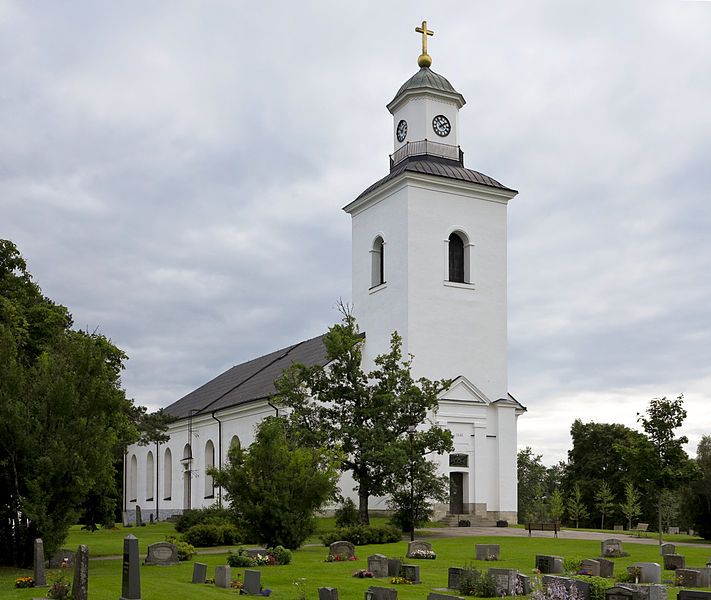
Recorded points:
125,520
255,552
667,549
252,582
378,565
223,576
62,557
648,572
199,572
380,593
416,546
619,527
139,517
549,564
583,587
325,593
687,578
654,592
611,547
590,567
411,573
394,567
691,531
505,580
693,595
454,577
705,577
345,549
607,567
523,584
80,583
673,531
162,553
438,596
622,592
131,574
672,562
39,574
150,519
487,551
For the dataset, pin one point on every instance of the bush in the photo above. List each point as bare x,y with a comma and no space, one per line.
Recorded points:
598,585
212,515
185,550
240,559
207,535
347,514
281,554
272,556
572,565
362,535
477,583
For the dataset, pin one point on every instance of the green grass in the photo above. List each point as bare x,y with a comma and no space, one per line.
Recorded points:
159,583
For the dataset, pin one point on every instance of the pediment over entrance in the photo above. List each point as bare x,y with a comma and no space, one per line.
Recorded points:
463,390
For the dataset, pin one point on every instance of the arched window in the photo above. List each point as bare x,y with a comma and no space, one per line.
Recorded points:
377,257
132,478
209,463
458,258
187,462
167,475
150,474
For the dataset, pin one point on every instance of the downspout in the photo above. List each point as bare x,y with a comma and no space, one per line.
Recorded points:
157,483
219,452
276,409
125,508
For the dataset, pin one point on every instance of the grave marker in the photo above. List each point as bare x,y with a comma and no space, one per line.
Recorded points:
199,572
687,578
622,592
326,593
505,580
583,587
611,547
438,596
667,549
380,593
252,582
394,565
523,585
673,531
418,546
131,574
693,595
139,517
549,564
487,551
223,576
411,573
125,520
162,553
705,577
378,565
454,577
345,549
619,527
62,557
648,572
672,562
39,574
591,567
607,567
80,583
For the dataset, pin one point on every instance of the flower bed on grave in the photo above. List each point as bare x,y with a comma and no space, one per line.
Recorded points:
424,554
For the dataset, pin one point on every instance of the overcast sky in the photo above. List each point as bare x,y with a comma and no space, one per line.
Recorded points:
173,172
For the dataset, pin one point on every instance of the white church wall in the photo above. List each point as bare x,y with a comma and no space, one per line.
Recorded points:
418,113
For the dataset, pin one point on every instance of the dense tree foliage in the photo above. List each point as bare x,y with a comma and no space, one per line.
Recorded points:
531,477
63,416
275,486
699,492
366,416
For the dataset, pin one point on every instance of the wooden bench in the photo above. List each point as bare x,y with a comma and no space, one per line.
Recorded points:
641,529
554,527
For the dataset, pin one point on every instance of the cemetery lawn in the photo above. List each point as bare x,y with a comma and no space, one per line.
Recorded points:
308,566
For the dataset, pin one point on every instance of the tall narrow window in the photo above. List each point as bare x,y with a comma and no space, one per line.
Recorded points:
456,258
209,463
149,477
377,256
132,478
168,475
187,476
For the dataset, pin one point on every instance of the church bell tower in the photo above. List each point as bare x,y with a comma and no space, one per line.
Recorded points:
429,261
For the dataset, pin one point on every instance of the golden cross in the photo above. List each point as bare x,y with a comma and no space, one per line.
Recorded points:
424,60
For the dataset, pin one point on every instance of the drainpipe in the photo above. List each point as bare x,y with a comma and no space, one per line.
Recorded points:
276,409
219,454
157,483
125,454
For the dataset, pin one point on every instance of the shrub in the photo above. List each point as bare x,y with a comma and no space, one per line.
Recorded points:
598,585
362,535
185,550
271,556
207,535
573,564
347,514
281,554
240,559
477,583
212,515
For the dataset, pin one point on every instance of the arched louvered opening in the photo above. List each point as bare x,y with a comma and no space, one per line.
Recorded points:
168,475
377,257
150,474
209,464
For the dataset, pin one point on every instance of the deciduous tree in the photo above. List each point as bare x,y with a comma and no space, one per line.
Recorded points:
604,501
631,507
577,510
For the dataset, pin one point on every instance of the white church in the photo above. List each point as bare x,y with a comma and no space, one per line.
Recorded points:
429,261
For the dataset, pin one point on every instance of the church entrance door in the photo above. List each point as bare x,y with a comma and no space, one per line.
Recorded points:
456,493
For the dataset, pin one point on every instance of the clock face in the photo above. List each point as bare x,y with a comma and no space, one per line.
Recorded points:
401,131
441,126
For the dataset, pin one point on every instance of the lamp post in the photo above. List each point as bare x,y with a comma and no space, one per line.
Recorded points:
411,434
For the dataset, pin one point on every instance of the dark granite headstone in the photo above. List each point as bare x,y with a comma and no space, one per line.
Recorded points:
223,576
523,585
139,516
345,549
252,582
380,593
438,596
394,565
417,546
607,567
549,564
672,562
411,573
622,592
487,551
454,577
326,593
39,574
162,553
199,572
583,587
590,567
80,583
62,558
378,565
667,549
693,595
505,580
611,547
131,574
150,519
687,578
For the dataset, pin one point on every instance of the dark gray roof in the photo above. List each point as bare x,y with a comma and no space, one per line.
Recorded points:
426,78
439,167
249,381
